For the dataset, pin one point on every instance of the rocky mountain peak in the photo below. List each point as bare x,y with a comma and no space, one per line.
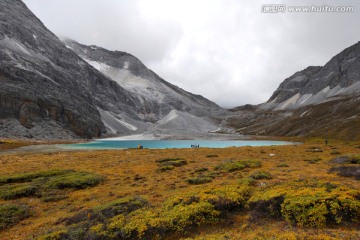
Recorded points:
313,85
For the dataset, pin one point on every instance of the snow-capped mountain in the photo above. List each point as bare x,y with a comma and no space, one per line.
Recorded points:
314,85
50,90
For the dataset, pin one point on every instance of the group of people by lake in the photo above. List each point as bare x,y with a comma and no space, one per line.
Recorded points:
195,146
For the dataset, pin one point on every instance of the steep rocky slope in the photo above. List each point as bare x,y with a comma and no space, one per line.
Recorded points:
317,101
314,85
48,91
157,97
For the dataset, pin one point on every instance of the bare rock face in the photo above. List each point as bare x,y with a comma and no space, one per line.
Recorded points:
49,90
157,97
316,102
41,79
315,85
293,85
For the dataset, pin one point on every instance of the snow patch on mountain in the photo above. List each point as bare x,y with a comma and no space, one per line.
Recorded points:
299,100
184,122
138,85
14,45
298,78
115,123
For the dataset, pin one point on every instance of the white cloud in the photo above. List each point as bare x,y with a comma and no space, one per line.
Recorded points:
227,51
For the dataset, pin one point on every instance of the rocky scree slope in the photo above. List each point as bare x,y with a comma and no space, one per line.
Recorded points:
159,100
48,91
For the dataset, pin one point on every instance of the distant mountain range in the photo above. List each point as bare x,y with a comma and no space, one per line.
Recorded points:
55,89
61,89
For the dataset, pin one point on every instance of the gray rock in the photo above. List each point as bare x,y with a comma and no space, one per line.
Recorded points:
315,85
45,85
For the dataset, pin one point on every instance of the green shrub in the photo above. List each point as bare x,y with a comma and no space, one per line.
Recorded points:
134,218
170,163
9,192
204,169
11,214
28,177
108,210
53,236
307,204
150,224
282,165
270,207
227,198
75,180
41,183
257,175
121,206
199,180
202,177
232,165
248,181
175,163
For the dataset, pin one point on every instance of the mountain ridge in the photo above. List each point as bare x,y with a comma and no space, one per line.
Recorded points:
313,85
317,102
49,91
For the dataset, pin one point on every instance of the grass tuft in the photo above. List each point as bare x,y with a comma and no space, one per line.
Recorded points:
9,192
28,177
170,163
258,175
11,214
232,165
41,183
74,180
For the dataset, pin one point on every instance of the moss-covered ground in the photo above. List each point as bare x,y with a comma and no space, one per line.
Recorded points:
303,191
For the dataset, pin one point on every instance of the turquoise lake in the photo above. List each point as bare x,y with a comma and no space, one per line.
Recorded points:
163,144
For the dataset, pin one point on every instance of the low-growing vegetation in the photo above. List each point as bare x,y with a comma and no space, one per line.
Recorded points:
236,165
170,163
307,204
275,192
28,177
41,183
282,165
258,175
11,214
201,178
133,218
8,192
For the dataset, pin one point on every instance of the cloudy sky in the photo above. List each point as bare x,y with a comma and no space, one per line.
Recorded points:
229,51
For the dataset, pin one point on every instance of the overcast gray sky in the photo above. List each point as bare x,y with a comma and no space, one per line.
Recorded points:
226,50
